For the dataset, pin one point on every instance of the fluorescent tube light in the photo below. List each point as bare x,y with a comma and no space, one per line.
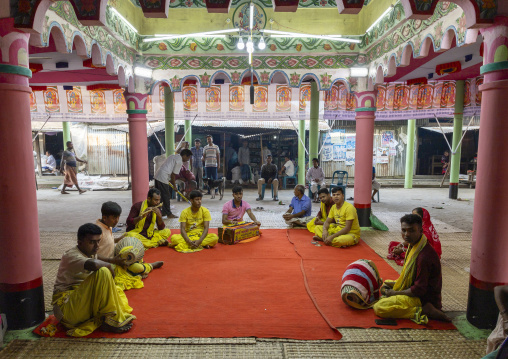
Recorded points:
143,72
380,18
159,37
124,19
320,37
359,71
251,16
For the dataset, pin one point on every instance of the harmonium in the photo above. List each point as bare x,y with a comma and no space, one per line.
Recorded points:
241,233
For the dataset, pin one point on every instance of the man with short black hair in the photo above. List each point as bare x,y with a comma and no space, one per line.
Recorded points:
244,161
111,212
233,211
315,177
211,158
85,296
166,173
142,219
288,168
326,205
300,209
268,176
341,228
416,294
194,225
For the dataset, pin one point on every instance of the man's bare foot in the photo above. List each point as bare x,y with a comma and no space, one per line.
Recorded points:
162,242
316,238
144,276
64,192
207,247
81,191
158,264
433,313
108,328
172,216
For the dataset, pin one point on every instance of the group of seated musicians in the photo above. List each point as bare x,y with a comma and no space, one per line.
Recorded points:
87,295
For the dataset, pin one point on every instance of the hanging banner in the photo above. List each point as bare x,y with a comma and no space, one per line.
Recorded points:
190,98
213,100
236,98
119,104
33,102
74,100
304,97
260,99
98,101
51,99
283,98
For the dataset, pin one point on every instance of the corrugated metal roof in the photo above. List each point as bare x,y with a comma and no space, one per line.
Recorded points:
448,129
279,125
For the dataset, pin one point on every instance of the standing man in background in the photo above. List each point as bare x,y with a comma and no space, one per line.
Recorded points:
197,162
211,157
244,161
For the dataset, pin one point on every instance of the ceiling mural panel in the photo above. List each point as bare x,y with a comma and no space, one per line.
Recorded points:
263,3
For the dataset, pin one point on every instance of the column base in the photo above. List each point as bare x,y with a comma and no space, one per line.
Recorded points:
454,190
482,309
24,309
363,216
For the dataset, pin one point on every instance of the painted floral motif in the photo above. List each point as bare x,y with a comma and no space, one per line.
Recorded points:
294,79
205,79
438,34
326,80
162,46
175,83
327,47
220,47
193,46
235,76
298,47
265,76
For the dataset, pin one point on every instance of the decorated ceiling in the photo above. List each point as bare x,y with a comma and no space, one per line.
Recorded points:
116,35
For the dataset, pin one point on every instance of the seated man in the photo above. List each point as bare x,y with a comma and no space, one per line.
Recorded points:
233,211
288,169
316,177
142,219
500,332
326,205
416,294
125,277
85,296
194,225
268,176
341,228
300,209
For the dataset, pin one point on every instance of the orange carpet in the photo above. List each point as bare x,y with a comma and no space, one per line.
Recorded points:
255,289
324,267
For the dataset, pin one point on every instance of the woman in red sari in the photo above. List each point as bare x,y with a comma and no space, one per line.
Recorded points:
397,251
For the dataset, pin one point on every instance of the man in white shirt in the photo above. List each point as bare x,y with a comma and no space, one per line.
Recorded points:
211,157
315,177
166,173
288,168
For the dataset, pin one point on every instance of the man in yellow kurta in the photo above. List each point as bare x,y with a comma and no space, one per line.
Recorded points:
85,296
142,220
326,205
194,225
341,228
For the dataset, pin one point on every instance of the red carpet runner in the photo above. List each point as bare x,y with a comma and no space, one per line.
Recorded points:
251,290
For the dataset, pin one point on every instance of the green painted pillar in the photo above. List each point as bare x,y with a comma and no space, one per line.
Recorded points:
410,153
314,121
169,114
457,135
188,136
301,153
66,127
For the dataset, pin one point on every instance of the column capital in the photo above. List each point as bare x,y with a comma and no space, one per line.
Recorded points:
136,102
366,101
495,50
14,67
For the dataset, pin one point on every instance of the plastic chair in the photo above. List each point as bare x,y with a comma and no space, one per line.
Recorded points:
285,178
263,187
340,182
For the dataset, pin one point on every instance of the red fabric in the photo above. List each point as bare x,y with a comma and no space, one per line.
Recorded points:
185,175
399,259
431,233
251,290
325,266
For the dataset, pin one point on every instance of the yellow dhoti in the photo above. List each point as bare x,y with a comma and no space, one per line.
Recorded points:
312,227
154,241
344,240
95,301
401,306
177,240
131,277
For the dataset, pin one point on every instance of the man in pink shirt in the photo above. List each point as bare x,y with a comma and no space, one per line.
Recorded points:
233,211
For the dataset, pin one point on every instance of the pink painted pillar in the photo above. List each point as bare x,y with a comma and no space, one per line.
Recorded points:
136,111
365,115
489,264
21,292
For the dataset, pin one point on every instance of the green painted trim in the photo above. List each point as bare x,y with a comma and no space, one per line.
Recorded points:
314,121
408,178
17,70
132,112
365,109
495,66
66,129
301,152
169,121
457,132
